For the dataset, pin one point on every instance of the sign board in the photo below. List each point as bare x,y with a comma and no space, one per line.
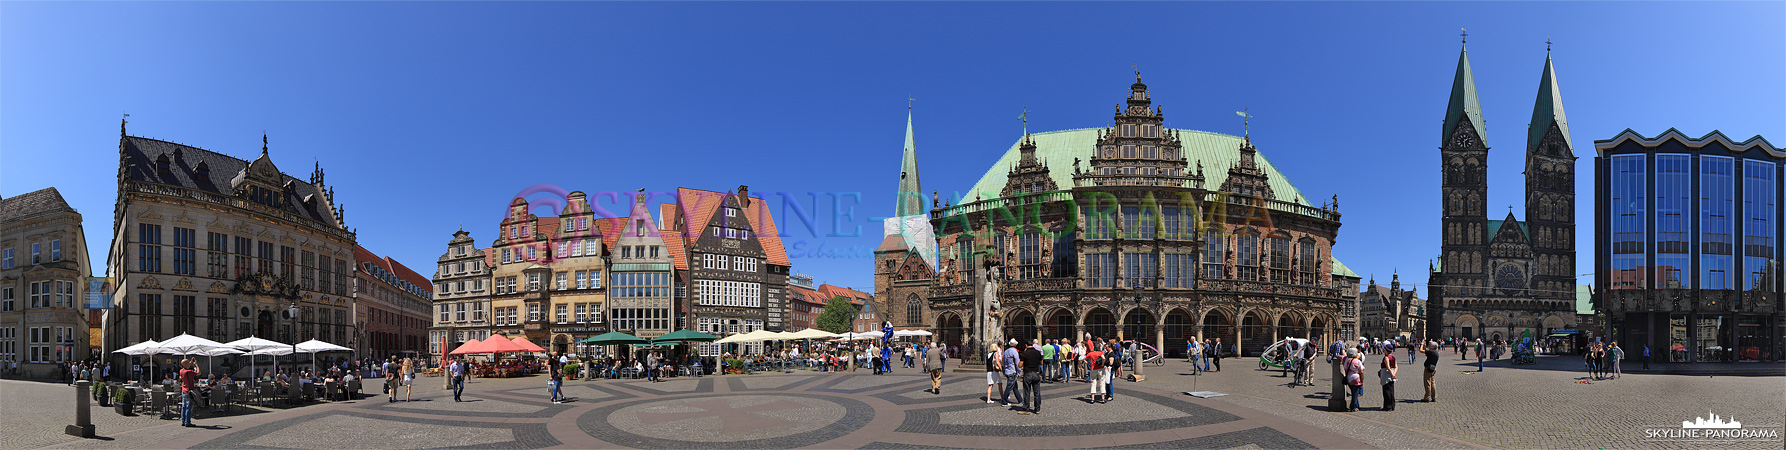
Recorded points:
99,293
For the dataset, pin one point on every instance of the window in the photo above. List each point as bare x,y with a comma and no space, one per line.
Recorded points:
36,253
459,312
288,260
1758,232
6,300
576,247
477,311
1101,270
1213,255
505,255
562,313
148,250
562,250
244,256
1098,223
582,280
149,316
1180,271
654,253
265,260
7,261
626,251
533,281
533,312
562,281
41,294
1140,269
1029,255
1309,261
1246,257
477,285
738,263
1716,206
730,293
446,312
1280,258
589,247
533,253
582,313
56,247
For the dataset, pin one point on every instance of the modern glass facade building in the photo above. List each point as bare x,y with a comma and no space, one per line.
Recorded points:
1686,249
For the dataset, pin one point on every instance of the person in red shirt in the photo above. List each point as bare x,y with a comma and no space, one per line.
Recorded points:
188,387
1095,365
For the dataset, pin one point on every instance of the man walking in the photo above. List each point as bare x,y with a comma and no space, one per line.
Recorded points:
1032,378
1432,372
933,364
557,378
188,384
1478,355
457,371
1008,360
1217,348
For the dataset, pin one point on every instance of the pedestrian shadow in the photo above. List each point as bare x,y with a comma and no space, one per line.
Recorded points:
1318,395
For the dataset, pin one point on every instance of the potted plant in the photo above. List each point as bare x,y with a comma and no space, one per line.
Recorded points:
571,370
100,394
123,402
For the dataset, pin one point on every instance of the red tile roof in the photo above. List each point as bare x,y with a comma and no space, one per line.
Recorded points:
698,207
892,242
764,226
404,273
808,296
677,248
855,296
610,229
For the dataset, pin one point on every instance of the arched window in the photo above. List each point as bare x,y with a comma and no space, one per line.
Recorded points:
914,310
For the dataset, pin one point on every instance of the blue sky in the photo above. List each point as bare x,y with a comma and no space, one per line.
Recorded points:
432,115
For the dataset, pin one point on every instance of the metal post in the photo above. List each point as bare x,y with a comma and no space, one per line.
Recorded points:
83,414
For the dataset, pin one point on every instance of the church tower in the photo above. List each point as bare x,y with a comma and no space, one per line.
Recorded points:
1550,192
911,194
1464,159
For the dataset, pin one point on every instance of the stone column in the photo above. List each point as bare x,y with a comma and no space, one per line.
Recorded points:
83,414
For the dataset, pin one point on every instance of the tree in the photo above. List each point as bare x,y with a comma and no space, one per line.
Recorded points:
838,316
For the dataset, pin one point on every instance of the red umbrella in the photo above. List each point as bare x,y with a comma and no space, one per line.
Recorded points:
499,344
469,347
527,345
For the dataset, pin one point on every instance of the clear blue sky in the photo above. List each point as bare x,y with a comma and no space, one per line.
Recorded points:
432,115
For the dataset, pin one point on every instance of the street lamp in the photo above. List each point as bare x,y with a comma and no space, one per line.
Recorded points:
293,313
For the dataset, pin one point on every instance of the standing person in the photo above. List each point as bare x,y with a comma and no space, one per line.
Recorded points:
1478,355
1613,358
1032,378
1080,366
1008,360
1049,353
1112,362
1217,348
557,374
188,388
1388,372
457,371
933,364
1354,376
650,368
389,372
1646,357
1411,355
408,378
1432,372
1094,370
994,373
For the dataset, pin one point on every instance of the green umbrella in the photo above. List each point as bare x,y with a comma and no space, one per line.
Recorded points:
614,338
680,336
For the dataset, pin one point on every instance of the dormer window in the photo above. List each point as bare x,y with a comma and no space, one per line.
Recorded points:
161,164
203,170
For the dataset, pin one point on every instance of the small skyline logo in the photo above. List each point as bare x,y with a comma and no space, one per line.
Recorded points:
1711,421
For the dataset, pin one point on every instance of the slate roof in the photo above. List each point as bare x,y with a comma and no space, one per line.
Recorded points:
1547,109
1057,149
1494,227
362,256
1463,102
141,154
32,203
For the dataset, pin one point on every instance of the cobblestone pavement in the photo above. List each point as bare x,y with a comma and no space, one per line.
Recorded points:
1538,406
799,410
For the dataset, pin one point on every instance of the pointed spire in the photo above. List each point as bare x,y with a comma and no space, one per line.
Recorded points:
1463,105
1547,109
911,193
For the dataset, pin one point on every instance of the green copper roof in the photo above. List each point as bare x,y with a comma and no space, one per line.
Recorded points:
1549,108
1057,149
1584,299
1340,268
1463,101
1494,227
911,194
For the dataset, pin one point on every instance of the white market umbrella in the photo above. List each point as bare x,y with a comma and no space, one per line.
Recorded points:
315,346
219,351
251,344
811,333
144,348
186,344
140,349
910,333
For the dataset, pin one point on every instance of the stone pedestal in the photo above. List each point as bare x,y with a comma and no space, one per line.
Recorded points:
83,410
1336,401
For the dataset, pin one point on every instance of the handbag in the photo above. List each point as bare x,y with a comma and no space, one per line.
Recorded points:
1383,375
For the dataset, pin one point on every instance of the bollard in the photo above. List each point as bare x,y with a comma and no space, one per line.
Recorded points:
1336,401
83,413
1138,363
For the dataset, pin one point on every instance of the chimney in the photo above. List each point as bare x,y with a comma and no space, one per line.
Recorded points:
744,195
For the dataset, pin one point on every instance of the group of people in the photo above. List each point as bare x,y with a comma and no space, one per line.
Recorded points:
1602,360
1388,371
1201,353
1017,369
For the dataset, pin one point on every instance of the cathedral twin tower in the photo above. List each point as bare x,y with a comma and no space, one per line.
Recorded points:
1496,279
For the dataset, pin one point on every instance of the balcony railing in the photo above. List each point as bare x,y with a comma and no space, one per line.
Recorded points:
1041,284
1209,198
1273,288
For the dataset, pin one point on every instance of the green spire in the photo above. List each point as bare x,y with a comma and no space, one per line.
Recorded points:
1548,109
911,194
1463,102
